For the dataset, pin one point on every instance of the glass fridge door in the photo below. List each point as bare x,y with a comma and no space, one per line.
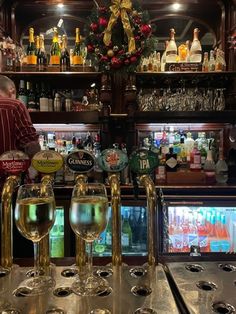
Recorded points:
210,226
133,233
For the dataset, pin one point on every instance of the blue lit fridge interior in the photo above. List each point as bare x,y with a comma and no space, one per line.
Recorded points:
57,233
133,233
213,229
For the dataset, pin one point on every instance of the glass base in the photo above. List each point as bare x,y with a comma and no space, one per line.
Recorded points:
90,286
37,285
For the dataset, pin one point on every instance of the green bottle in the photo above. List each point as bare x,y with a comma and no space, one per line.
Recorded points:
55,53
108,238
77,56
31,49
126,233
65,57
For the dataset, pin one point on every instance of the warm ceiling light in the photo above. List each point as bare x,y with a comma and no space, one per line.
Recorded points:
176,6
60,5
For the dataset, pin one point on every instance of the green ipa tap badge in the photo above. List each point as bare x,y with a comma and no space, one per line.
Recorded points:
143,161
47,161
14,162
112,160
80,161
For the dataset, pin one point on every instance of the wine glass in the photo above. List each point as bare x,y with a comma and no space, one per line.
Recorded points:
34,217
88,218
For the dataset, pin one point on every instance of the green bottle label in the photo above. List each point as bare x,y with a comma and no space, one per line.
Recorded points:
143,161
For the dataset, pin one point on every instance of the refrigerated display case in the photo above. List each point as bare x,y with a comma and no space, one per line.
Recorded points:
203,217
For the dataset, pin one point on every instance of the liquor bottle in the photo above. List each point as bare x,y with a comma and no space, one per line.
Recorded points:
171,50
189,144
50,99
220,64
65,57
196,48
22,95
211,64
77,56
57,236
142,229
41,55
108,238
126,233
31,104
31,49
177,237
193,232
160,172
163,57
203,240
171,161
209,168
188,51
205,64
195,159
55,52
43,98
125,171
37,45
98,173
221,169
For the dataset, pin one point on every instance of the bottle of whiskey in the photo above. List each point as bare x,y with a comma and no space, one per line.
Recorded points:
171,49
31,49
211,64
77,56
196,48
55,52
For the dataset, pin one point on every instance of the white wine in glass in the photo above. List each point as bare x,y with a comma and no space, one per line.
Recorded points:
34,217
88,219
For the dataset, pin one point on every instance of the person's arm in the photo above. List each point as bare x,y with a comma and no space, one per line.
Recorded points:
26,136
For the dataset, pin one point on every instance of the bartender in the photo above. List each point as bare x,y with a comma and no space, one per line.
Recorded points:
16,133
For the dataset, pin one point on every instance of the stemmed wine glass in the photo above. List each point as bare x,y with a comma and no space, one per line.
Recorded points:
88,218
34,217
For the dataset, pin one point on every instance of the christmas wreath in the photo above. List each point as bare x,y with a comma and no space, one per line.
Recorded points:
118,35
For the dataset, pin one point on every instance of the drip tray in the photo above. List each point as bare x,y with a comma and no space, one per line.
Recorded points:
204,287
131,290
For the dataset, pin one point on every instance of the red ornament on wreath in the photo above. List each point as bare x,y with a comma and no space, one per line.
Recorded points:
146,29
94,27
90,48
103,22
116,63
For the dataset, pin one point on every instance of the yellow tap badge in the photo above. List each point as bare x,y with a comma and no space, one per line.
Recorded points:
47,161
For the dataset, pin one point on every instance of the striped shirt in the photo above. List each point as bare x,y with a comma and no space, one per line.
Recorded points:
16,129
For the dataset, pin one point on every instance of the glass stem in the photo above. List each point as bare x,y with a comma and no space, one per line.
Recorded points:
36,259
90,258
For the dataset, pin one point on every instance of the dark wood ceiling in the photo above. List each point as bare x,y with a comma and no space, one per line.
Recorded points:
44,13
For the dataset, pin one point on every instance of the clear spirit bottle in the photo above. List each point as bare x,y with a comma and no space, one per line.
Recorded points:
171,50
196,48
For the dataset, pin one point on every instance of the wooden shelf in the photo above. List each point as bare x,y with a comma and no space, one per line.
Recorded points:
90,117
185,116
